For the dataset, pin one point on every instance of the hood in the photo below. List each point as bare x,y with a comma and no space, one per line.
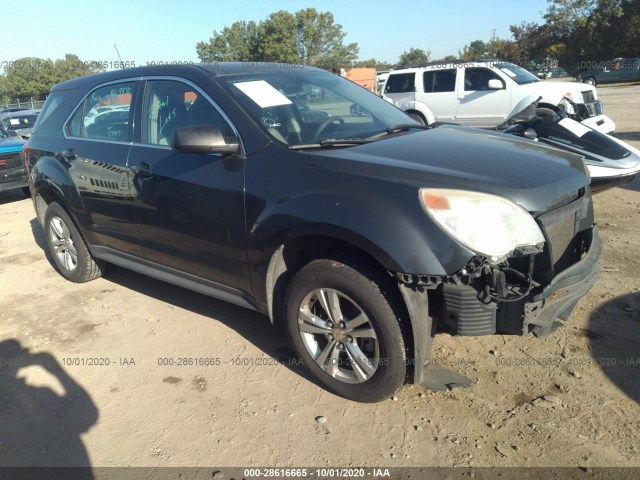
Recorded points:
8,145
449,156
23,132
552,92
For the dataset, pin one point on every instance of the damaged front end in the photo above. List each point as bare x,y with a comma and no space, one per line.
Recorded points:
531,290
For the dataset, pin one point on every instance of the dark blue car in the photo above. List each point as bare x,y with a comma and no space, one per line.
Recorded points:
13,173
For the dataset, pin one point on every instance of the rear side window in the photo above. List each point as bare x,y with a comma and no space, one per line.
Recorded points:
440,81
54,100
401,83
104,114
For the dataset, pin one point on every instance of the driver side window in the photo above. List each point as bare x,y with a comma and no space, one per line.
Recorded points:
169,105
476,79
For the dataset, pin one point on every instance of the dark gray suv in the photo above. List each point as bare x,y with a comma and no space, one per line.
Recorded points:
363,233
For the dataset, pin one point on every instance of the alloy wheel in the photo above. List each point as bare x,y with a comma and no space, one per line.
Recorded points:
338,335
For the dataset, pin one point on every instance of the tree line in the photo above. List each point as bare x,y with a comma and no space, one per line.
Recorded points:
574,33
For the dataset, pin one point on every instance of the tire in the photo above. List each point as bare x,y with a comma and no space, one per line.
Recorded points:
26,191
589,81
67,248
417,117
327,291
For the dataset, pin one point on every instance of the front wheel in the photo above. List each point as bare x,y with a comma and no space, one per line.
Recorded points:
345,326
589,81
68,250
417,117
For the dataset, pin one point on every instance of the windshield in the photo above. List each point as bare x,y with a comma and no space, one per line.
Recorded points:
22,121
518,74
301,108
3,132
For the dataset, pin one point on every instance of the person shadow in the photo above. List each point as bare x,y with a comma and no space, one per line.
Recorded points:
614,337
40,430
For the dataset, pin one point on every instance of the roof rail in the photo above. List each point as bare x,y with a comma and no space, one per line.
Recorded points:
454,62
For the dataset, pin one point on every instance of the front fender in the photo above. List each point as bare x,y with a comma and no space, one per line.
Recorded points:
400,239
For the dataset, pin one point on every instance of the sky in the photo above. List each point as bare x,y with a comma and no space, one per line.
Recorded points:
168,30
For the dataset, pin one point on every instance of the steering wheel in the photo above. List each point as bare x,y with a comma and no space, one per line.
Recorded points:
329,121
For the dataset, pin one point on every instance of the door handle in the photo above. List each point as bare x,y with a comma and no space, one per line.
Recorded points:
68,154
142,170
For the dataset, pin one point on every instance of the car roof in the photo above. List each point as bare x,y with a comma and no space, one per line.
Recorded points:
215,69
439,65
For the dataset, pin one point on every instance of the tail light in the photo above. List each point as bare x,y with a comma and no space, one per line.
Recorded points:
25,151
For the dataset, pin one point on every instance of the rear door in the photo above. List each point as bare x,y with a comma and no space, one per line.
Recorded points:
401,89
439,93
95,151
189,207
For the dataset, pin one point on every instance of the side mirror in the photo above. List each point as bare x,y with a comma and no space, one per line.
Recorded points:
203,139
495,84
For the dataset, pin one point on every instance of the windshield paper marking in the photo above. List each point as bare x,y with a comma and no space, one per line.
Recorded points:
263,94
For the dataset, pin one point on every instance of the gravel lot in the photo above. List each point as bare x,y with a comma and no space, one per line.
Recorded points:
569,400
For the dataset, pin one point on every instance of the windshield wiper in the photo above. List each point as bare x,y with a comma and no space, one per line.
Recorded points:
332,143
400,128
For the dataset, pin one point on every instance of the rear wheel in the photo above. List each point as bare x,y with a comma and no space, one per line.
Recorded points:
344,325
68,250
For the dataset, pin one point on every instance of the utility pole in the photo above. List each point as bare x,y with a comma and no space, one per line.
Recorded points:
494,48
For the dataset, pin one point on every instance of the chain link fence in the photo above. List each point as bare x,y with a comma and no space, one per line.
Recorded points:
31,104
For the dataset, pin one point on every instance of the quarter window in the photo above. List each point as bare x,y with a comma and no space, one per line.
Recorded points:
105,114
400,83
439,81
169,105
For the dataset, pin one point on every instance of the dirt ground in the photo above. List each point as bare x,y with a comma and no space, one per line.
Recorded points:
245,402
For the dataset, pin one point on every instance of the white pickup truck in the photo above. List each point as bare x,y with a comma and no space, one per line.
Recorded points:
483,94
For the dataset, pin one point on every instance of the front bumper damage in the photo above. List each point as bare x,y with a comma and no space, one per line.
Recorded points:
463,311
559,297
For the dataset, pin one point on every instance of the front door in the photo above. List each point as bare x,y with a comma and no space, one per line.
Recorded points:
479,105
189,206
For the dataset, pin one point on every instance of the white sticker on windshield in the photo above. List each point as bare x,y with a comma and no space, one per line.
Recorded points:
263,93
14,121
508,72
574,127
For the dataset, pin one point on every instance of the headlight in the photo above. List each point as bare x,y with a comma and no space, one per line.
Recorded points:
567,104
487,224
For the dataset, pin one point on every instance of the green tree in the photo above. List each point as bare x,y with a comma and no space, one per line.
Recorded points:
29,77
308,36
33,77
277,41
476,50
415,56
235,43
72,67
532,40
581,31
4,96
320,40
